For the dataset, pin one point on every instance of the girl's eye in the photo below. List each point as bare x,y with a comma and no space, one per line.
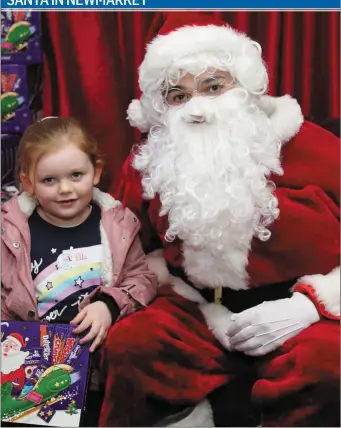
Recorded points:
77,175
48,180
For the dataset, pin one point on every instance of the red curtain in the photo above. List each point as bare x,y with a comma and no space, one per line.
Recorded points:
91,61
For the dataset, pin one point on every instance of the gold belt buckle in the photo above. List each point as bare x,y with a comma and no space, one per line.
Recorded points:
218,295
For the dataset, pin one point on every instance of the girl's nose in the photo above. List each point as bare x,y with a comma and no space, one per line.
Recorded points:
65,187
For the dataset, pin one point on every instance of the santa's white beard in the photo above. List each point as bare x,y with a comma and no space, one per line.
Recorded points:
212,179
12,361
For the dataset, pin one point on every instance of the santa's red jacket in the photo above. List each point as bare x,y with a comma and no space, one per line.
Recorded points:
305,240
17,377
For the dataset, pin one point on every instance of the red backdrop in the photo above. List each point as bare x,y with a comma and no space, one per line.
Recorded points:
91,61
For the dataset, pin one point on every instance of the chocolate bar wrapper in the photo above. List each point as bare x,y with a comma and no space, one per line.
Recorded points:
39,370
15,112
74,354
35,356
20,37
60,333
46,337
69,343
77,349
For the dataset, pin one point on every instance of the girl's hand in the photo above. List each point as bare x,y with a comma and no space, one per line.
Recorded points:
98,316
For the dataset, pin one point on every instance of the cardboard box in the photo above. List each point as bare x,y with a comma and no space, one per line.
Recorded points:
20,37
15,112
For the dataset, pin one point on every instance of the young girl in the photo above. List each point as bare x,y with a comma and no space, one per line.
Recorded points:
70,253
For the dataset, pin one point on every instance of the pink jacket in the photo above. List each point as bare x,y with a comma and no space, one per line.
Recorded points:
125,273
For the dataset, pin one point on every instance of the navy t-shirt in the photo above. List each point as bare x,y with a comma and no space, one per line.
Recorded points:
65,265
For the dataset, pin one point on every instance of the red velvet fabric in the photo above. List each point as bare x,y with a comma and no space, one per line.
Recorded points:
92,58
165,356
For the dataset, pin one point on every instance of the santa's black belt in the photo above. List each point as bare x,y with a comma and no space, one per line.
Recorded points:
239,300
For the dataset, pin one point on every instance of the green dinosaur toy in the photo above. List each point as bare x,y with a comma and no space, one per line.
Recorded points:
53,381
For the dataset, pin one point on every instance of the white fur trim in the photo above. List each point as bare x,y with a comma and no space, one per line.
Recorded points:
185,290
27,203
218,319
107,262
104,200
201,416
157,264
327,289
136,117
164,50
206,270
199,265
285,115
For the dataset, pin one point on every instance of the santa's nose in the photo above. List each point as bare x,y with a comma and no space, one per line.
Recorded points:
196,118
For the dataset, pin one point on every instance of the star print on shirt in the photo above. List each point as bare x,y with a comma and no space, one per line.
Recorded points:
79,281
53,250
49,285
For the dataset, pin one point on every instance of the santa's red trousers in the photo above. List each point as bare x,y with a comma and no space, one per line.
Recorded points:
163,357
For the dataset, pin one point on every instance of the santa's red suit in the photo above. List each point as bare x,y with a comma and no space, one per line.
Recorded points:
17,377
165,358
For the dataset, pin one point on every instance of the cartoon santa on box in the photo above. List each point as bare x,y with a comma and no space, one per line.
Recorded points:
12,360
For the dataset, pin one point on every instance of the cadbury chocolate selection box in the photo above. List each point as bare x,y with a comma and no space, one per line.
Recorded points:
15,112
44,374
20,37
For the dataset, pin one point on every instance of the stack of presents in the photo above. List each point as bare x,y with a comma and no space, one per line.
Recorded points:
21,58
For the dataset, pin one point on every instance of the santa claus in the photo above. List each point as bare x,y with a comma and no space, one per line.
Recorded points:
239,201
12,360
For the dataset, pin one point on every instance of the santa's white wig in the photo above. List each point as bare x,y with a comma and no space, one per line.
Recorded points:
205,44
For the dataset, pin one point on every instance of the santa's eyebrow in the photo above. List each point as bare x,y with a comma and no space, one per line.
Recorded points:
209,79
182,88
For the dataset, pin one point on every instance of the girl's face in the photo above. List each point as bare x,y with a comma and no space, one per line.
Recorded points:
64,185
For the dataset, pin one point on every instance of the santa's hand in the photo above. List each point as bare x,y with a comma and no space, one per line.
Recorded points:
265,327
97,316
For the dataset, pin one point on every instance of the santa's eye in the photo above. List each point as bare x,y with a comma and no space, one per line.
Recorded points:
176,96
179,97
215,88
